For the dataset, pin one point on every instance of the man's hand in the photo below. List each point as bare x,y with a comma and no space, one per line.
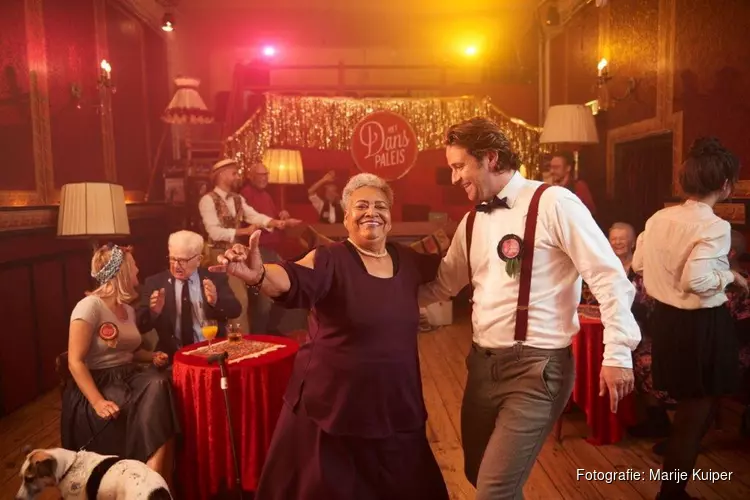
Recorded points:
246,231
330,176
210,290
292,222
156,301
618,382
284,215
277,224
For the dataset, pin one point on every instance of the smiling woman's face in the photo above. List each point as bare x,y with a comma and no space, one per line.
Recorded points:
368,216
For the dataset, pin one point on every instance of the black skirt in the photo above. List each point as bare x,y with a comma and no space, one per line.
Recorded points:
147,417
306,463
695,352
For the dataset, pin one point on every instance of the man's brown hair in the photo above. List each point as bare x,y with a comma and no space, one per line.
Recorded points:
481,135
708,166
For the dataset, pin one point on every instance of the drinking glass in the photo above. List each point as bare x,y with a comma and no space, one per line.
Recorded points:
209,329
234,333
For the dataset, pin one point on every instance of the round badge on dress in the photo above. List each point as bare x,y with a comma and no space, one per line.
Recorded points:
510,247
109,333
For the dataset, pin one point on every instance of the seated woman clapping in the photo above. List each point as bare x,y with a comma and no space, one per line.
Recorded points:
113,405
353,425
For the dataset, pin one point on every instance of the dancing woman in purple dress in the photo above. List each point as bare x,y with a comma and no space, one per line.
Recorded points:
353,423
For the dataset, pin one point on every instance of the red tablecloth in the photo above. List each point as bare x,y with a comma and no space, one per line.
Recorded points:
256,388
588,348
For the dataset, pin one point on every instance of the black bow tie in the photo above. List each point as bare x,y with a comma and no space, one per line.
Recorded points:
495,203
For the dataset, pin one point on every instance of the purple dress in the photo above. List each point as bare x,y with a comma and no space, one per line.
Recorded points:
353,426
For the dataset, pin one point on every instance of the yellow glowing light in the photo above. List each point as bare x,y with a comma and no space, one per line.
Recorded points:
470,51
602,64
167,26
106,66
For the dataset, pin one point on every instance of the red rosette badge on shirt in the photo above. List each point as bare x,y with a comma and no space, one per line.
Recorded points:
510,250
384,144
109,333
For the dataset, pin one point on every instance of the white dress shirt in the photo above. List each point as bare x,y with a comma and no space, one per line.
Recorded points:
211,219
683,256
318,204
568,244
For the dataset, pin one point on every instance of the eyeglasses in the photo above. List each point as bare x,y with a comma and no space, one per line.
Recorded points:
181,262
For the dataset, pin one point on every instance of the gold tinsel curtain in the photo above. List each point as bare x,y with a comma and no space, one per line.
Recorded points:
296,122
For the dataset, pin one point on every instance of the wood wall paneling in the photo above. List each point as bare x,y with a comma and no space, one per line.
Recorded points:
19,382
51,326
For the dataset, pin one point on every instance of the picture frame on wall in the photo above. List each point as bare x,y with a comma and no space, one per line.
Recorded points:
742,189
734,213
174,190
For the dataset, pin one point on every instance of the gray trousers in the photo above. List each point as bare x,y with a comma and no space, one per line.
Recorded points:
512,400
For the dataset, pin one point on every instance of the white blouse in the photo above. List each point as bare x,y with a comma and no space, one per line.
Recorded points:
683,256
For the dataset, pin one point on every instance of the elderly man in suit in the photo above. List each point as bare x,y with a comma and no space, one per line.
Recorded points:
175,302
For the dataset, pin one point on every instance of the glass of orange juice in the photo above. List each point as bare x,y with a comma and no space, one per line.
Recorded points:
209,329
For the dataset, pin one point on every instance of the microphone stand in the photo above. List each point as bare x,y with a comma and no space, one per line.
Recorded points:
221,359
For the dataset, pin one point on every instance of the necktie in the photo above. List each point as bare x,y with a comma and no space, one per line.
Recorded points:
492,205
186,316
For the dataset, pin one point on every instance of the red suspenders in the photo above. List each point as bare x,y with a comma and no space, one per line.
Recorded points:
527,260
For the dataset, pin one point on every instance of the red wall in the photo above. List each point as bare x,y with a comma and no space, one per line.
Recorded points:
42,277
15,141
418,187
711,73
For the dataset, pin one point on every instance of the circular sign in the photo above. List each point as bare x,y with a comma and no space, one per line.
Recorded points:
384,144
509,247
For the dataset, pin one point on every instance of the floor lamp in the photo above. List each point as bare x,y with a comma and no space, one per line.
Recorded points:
571,124
284,168
92,211
185,108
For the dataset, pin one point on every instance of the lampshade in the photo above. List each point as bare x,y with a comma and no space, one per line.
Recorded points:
569,124
284,166
186,105
92,209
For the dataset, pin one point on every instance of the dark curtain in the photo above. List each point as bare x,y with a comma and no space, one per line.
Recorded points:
643,178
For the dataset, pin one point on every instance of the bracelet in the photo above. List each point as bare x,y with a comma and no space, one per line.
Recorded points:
256,286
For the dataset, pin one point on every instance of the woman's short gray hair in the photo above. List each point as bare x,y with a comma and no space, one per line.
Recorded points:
623,226
187,240
366,180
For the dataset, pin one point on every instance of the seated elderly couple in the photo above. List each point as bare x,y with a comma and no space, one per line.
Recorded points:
116,404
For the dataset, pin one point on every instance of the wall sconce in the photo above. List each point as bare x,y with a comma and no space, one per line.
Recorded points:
603,79
103,84
167,23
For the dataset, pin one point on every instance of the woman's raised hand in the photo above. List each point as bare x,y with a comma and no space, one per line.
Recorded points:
244,262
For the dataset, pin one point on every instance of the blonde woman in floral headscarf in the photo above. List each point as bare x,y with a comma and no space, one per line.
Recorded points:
118,401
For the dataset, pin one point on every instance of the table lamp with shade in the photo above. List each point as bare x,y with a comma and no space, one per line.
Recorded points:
284,168
92,211
571,124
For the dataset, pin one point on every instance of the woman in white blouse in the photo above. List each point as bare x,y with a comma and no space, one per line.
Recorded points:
682,255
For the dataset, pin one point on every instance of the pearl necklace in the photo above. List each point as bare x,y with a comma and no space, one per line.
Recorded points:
380,255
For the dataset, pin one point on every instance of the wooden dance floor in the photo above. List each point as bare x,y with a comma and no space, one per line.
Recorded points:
442,355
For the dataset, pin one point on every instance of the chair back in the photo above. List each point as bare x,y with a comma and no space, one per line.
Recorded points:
63,372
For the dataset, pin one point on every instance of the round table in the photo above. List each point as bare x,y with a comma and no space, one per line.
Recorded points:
588,349
256,388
